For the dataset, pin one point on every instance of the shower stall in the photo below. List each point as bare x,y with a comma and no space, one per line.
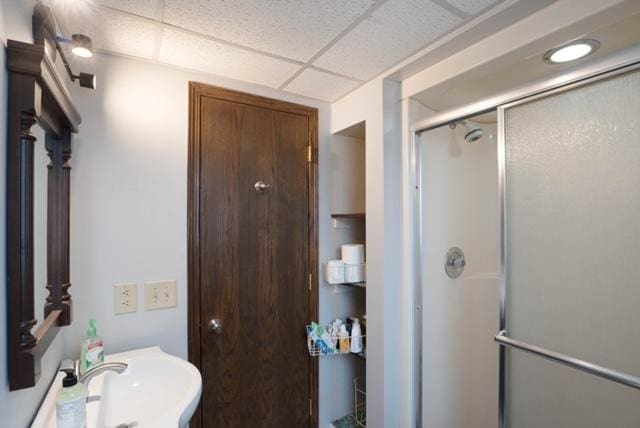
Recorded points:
527,218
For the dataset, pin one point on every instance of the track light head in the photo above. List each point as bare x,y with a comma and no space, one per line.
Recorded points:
87,80
81,46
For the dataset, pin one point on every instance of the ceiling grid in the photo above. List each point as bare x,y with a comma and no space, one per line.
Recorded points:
322,49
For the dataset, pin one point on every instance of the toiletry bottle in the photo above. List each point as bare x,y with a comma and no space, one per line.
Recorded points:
356,337
344,340
349,325
327,346
71,402
92,351
335,332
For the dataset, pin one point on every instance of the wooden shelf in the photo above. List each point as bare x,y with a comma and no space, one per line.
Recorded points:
351,284
356,284
352,215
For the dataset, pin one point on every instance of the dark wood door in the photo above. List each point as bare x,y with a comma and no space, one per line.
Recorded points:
255,251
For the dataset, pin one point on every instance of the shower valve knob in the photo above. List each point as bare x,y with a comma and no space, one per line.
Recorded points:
454,262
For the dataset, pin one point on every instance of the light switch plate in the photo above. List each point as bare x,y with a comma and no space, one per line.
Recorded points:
159,294
125,298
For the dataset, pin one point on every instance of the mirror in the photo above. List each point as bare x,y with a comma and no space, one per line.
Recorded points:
41,164
40,121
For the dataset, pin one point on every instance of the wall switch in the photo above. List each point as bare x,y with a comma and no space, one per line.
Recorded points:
125,298
159,294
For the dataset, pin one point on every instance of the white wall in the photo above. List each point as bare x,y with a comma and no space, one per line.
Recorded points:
347,174
17,408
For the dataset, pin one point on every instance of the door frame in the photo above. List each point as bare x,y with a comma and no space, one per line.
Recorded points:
196,92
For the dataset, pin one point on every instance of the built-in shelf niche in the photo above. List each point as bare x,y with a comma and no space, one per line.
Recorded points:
349,224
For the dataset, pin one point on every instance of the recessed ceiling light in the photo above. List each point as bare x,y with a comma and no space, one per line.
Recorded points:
571,51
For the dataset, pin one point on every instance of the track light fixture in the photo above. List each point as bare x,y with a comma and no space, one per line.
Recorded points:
80,46
46,32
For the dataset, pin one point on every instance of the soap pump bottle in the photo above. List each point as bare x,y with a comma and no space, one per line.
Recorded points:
92,351
356,337
344,340
71,402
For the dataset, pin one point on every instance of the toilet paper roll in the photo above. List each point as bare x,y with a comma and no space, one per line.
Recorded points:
353,254
354,273
334,272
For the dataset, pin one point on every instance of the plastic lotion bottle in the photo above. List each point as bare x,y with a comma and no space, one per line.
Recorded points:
344,339
71,402
356,337
92,351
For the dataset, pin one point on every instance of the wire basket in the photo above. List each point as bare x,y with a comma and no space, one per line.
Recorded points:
360,401
316,351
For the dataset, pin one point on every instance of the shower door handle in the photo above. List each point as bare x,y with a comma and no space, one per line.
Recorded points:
575,363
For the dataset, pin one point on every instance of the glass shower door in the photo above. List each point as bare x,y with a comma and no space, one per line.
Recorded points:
572,252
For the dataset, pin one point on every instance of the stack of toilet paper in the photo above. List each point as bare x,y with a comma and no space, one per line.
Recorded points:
350,269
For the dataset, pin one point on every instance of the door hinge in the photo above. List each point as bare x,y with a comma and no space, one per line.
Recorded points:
310,281
309,153
310,407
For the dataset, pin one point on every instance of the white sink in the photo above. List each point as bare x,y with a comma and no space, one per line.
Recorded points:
156,390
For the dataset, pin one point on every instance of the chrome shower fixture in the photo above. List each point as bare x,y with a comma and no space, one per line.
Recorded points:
473,134
454,262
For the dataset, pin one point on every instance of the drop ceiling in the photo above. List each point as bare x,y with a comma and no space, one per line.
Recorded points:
322,49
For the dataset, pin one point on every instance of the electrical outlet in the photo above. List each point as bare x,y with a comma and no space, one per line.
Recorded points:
125,298
159,294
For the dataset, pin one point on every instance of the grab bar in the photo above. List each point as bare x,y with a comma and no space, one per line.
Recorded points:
614,375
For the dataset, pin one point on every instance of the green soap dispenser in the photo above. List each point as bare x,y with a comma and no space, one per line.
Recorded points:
92,351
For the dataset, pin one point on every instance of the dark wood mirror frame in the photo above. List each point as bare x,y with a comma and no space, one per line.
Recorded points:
36,94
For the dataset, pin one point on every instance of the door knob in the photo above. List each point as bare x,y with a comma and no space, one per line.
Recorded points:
215,326
260,186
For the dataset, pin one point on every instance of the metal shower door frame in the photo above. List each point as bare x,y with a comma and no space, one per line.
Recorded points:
598,70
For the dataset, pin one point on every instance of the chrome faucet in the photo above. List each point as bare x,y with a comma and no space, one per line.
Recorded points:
99,369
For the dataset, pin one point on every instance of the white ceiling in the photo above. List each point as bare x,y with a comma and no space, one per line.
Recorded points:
318,48
527,65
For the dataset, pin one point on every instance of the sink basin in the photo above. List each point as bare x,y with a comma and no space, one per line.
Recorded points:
156,390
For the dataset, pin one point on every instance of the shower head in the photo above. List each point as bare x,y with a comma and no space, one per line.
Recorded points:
473,134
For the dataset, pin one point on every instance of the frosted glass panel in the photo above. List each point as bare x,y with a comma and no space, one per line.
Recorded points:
573,253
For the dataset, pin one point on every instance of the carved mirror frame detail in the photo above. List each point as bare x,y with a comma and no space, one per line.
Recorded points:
36,95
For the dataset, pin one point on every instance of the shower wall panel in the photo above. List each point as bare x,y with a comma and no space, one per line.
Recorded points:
460,208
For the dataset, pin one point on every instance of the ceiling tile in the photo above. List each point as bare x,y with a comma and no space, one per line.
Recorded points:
190,51
392,33
472,7
324,86
139,7
295,29
116,32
